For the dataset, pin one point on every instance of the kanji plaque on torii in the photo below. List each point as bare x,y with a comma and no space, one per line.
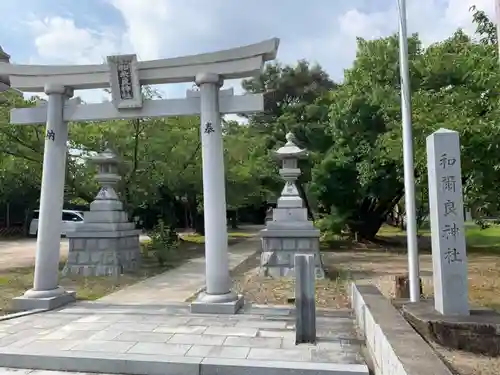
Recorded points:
124,81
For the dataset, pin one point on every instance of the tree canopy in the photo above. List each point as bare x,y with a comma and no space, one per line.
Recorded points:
354,176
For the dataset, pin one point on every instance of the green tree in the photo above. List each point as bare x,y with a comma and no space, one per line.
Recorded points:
454,85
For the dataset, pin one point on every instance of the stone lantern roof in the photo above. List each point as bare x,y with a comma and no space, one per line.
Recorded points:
105,157
290,150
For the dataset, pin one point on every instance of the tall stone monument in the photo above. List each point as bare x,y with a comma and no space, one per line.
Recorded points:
106,243
449,258
289,232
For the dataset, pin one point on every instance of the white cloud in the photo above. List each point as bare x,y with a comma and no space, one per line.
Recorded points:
59,40
167,28
144,21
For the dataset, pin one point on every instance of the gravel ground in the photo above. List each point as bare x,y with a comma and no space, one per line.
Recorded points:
379,266
330,292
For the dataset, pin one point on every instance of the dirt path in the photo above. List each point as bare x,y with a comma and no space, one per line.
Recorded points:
378,266
21,252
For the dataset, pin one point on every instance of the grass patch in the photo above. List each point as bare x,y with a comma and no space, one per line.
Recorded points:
381,260
199,239
15,282
484,241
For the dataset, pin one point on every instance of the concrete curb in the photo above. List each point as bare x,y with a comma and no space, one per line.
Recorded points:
21,314
138,364
394,347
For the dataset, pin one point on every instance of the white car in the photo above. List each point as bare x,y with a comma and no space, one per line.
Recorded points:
70,219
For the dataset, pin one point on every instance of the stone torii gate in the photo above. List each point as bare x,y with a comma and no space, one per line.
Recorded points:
125,76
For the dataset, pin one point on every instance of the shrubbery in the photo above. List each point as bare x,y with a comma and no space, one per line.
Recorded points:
164,241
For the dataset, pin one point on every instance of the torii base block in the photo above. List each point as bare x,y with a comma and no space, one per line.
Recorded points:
206,304
33,300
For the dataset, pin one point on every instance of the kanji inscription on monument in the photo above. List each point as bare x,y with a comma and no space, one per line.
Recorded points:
449,258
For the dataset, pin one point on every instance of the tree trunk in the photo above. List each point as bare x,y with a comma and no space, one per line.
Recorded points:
371,215
199,223
234,219
368,229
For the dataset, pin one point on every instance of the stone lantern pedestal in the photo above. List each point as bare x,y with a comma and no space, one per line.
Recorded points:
106,243
289,232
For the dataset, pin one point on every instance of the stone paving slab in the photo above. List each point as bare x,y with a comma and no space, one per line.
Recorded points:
180,283
168,339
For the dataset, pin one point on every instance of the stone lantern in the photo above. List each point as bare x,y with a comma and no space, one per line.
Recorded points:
106,243
289,232
4,79
107,176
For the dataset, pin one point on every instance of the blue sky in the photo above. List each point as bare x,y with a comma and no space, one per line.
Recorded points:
325,31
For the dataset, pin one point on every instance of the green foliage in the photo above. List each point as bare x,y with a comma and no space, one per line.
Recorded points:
332,226
164,241
484,27
354,175
354,129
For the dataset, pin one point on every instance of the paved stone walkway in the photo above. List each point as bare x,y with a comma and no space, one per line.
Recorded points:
168,339
148,329
180,283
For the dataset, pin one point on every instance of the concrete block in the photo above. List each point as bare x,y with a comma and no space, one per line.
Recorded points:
289,244
104,346
23,303
391,341
218,366
196,330
100,362
232,331
91,244
159,348
210,322
262,324
105,217
136,327
237,352
155,337
202,307
295,355
305,300
106,206
182,338
199,350
254,342
289,214
104,256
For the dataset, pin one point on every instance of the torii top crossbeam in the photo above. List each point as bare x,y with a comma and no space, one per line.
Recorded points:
233,63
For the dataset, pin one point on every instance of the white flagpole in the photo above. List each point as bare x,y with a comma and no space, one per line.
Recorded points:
409,179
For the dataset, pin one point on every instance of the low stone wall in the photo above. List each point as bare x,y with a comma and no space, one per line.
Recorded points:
393,345
103,256
278,255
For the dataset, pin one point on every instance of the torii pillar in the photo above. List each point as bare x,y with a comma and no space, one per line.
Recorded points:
218,297
46,293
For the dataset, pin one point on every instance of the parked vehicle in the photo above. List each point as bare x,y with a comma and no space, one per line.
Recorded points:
70,219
